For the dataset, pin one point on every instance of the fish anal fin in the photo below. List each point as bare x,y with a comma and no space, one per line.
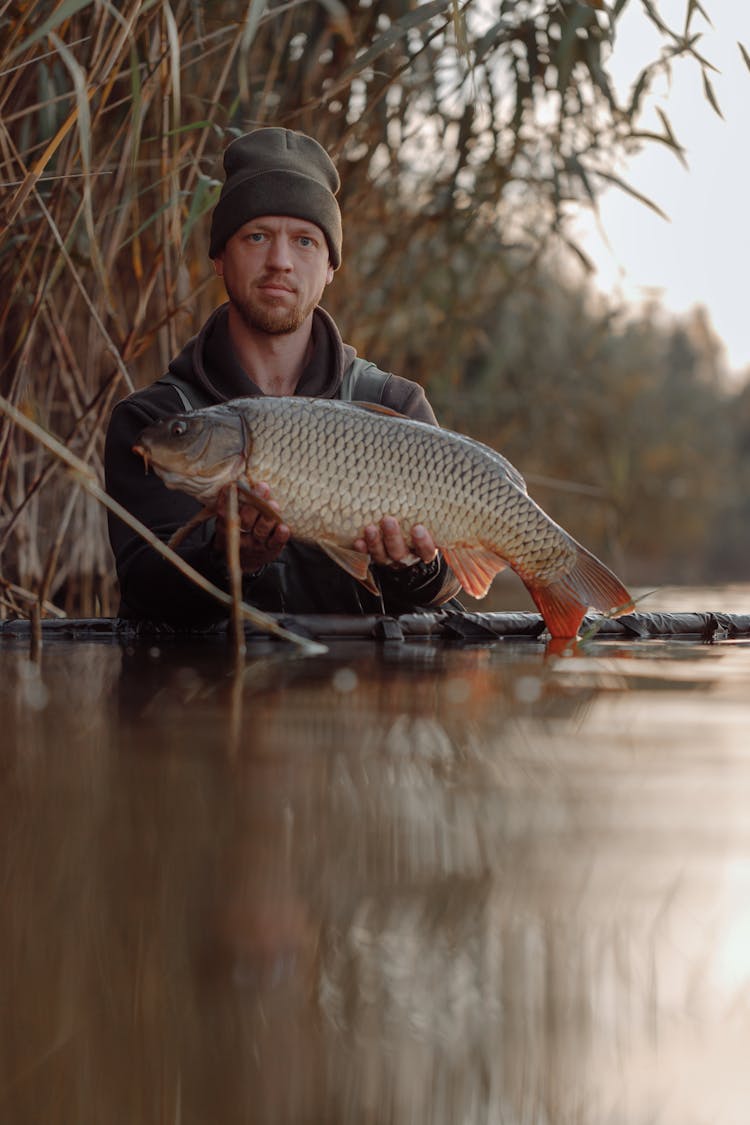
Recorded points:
589,584
562,612
474,567
356,563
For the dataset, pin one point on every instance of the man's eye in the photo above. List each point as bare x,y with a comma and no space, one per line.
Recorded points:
305,240
255,236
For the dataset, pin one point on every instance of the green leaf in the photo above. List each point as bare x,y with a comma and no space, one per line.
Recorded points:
67,9
709,91
669,137
574,167
114,13
173,37
626,187
489,41
568,52
205,198
147,222
255,12
193,127
582,256
597,72
78,75
136,111
655,18
693,7
647,135
639,89
421,14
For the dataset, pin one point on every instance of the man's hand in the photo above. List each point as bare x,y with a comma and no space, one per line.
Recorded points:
386,545
262,539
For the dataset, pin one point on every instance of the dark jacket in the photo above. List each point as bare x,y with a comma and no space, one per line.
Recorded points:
302,579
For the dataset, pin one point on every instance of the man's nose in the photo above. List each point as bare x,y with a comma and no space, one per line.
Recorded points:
279,253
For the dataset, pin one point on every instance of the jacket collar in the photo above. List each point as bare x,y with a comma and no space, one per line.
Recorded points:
209,360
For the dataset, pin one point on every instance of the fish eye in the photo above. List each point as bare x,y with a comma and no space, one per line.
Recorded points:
178,428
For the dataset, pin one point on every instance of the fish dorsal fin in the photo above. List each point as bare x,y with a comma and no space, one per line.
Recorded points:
474,567
356,563
377,408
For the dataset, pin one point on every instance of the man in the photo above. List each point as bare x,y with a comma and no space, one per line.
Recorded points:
276,243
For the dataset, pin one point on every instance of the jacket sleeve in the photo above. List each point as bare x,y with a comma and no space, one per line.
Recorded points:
150,587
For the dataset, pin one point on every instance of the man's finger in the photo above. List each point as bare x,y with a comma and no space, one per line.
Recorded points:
423,543
261,529
265,536
393,540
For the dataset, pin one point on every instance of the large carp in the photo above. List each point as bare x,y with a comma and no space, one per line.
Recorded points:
334,467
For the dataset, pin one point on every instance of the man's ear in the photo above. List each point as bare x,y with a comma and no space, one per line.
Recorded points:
219,264
329,273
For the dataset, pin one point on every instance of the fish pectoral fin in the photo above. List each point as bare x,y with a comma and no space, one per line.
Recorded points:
356,563
474,567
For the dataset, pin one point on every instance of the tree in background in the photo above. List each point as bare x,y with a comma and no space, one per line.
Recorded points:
618,421
466,134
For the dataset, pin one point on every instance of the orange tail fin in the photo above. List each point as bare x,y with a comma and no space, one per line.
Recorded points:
590,583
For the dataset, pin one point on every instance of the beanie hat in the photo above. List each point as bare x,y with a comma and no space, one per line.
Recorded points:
277,172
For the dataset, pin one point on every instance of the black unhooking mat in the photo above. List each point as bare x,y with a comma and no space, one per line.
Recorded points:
447,625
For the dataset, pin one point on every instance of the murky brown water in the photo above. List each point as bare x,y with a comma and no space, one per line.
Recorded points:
407,883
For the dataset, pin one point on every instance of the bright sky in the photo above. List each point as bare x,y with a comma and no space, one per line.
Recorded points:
702,256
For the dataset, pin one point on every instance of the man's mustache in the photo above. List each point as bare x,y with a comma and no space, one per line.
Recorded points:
280,282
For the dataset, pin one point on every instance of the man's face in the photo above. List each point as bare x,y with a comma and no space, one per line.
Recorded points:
275,270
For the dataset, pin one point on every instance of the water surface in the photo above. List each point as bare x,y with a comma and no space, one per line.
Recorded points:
400,883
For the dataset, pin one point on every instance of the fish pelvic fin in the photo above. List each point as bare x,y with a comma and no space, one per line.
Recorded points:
589,584
353,562
474,567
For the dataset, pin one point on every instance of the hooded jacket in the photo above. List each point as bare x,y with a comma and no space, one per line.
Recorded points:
303,579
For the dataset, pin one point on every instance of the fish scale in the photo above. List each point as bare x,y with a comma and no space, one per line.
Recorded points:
334,468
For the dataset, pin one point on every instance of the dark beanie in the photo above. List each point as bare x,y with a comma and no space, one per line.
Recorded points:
277,172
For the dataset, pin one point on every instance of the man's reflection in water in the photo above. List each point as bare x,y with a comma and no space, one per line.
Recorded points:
406,893
349,966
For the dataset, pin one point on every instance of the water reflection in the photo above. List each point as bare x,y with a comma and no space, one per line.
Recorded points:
398,884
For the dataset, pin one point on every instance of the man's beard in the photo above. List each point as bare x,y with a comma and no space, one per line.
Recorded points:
274,319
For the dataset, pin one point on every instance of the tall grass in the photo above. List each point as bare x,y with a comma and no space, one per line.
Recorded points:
107,180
